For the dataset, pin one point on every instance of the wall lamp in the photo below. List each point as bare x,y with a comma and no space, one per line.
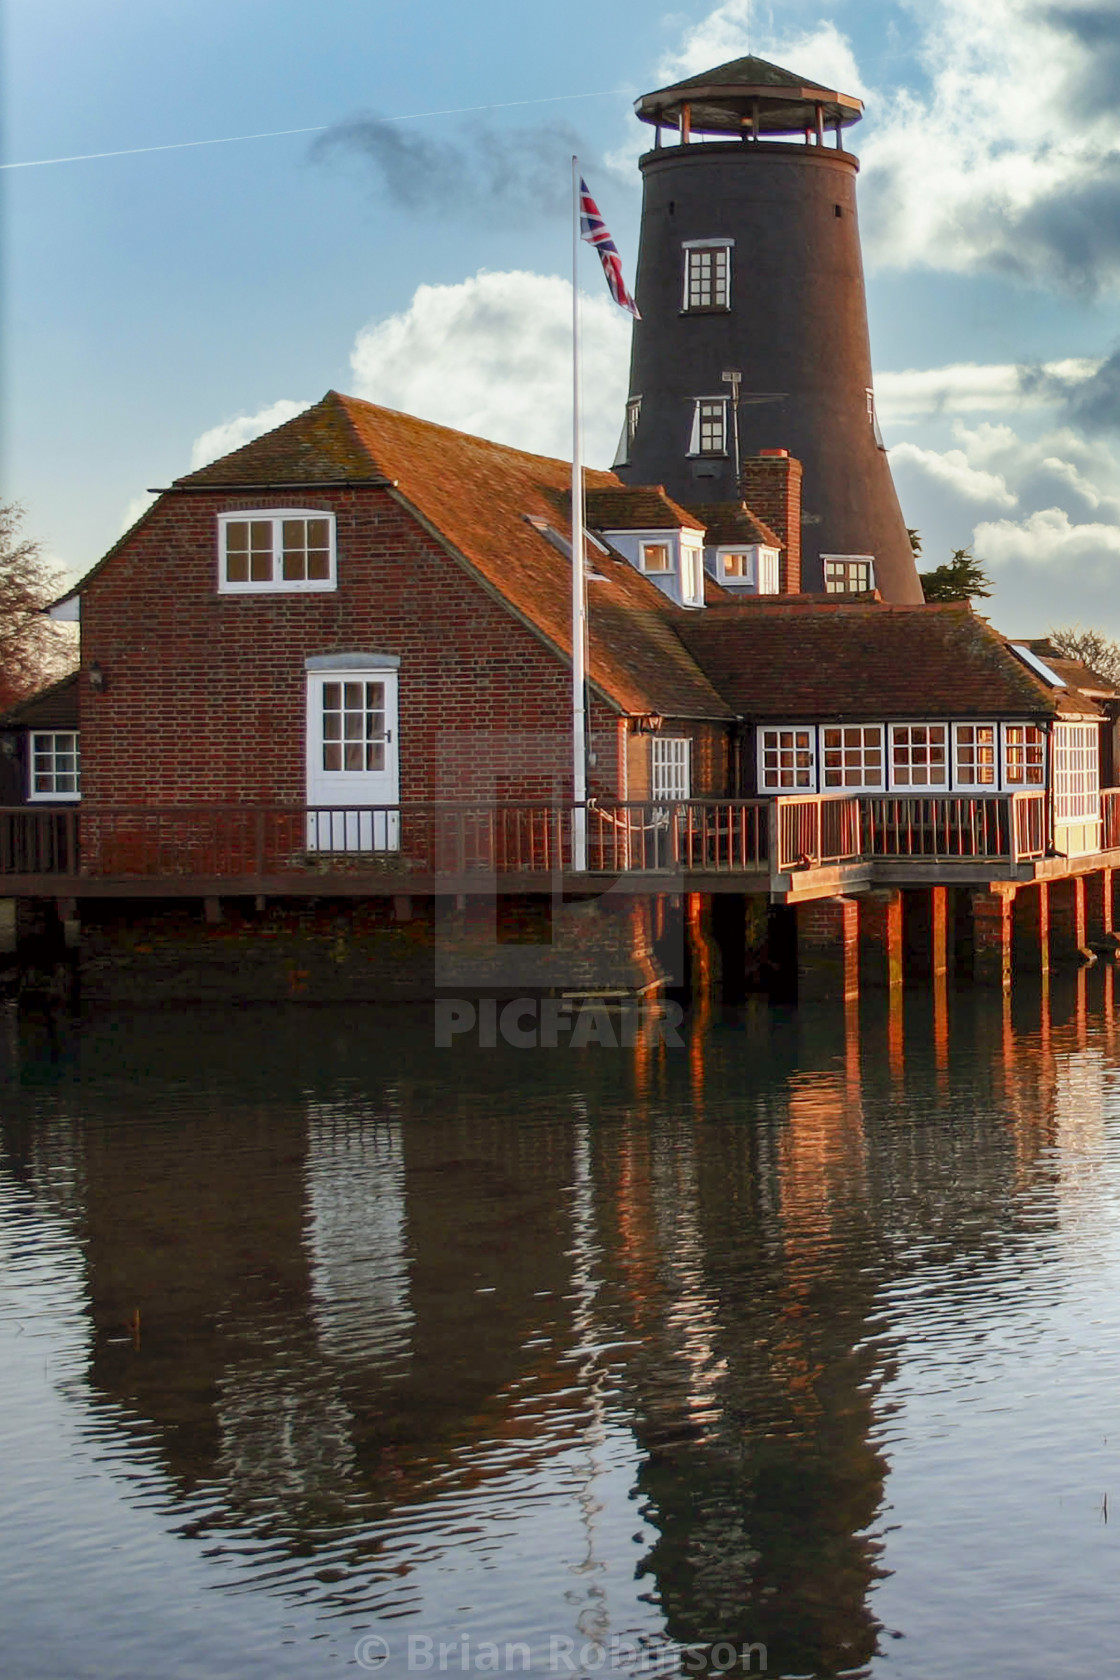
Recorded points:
98,681
649,723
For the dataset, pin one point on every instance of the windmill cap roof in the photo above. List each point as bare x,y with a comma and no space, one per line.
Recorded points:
720,99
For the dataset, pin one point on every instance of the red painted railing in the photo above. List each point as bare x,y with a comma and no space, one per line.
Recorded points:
702,836
1012,826
812,831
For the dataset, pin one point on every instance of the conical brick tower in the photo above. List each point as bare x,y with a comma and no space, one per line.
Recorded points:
750,265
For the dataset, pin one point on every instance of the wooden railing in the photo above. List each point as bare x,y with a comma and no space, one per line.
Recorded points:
454,839
812,831
700,836
1012,826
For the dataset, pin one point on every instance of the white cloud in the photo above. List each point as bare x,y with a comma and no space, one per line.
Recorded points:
950,469
493,355
1011,160
823,53
138,505
1049,538
231,434
971,387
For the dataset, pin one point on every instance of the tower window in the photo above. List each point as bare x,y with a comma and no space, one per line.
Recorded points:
707,276
709,427
848,574
629,432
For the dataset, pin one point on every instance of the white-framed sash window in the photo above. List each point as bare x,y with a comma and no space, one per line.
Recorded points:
1024,756
919,755
670,767
277,549
55,770
1077,782
709,426
852,757
707,276
787,759
976,756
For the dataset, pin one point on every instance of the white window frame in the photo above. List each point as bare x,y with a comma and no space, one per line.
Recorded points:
53,795
276,585
669,546
854,753
693,248
912,787
760,575
802,741
1035,747
964,783
670,768
1077,772
698,406
692,575
849,562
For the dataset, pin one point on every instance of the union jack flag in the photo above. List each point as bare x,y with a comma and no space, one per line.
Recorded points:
593,228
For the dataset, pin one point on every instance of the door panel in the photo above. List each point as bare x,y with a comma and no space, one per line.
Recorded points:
352,760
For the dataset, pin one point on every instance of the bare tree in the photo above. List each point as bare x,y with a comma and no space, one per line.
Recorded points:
1100,653
33,649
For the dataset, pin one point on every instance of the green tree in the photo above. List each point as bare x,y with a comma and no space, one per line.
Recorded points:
961,579
33,649
1100,653
915,540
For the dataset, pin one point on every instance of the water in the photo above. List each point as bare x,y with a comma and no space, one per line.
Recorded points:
800,1345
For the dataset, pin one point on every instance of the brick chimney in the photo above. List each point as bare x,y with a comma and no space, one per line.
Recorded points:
771,487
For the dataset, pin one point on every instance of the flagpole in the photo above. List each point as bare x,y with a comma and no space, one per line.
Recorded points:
579,591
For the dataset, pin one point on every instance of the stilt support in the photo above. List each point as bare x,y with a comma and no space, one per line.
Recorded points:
880,937
991,937
828,948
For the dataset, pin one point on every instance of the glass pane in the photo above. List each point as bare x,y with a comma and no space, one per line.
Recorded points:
375,756
294,565
353,695
318,563
353,755
332,696
237,536
260,567
354,730
375,696
319,533
332,758
295,533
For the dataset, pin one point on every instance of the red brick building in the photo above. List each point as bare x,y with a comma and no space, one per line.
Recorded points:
362,609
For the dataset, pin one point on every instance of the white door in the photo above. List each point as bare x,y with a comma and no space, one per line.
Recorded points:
352,759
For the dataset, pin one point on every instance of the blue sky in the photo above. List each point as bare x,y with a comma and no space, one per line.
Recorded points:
165,306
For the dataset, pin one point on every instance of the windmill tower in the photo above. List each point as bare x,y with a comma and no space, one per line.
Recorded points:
750,264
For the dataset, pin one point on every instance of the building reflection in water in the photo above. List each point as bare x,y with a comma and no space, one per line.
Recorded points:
531,1326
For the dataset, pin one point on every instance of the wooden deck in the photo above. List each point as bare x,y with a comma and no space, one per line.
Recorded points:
790,848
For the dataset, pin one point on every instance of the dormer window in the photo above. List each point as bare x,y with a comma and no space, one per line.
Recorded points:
629,432
709,427
290,549
692,576
656,557
848,574
707,275
753,569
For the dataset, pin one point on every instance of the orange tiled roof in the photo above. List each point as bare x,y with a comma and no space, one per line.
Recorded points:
638,507
733,522
804,658
476,495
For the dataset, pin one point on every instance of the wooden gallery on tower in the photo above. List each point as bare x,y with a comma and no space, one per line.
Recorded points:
319,744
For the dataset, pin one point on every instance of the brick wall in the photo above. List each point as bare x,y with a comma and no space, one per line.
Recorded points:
206,693
771,486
